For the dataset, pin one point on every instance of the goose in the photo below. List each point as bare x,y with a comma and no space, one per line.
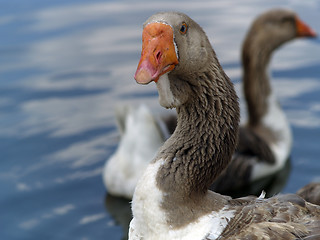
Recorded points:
171,199
138,128
265,141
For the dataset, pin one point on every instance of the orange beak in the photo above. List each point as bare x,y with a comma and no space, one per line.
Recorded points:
303,30
158,55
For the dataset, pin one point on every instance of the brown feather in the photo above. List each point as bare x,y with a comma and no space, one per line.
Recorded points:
311,193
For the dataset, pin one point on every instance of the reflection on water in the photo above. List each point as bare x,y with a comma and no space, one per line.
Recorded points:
120,210
65,65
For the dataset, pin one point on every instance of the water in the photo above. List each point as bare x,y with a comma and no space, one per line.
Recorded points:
66,64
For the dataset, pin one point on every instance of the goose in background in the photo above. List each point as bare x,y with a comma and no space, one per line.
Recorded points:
171,199
264,143
265,140
141,135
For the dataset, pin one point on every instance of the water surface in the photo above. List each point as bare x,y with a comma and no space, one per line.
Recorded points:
65,65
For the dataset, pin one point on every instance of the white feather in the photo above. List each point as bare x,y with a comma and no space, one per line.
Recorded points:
166,97
138,145
150,219
276,120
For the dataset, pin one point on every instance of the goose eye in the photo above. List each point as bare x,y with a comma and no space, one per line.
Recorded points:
287,19
183,28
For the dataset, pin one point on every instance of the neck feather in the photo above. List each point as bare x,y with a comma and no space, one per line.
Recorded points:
256,83
205,137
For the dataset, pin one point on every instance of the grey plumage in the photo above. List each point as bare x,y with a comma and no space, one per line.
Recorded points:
200,149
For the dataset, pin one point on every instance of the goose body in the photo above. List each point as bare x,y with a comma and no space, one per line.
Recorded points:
171,199
139,128
265,141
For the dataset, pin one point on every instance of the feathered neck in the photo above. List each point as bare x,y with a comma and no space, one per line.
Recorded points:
205,137
256,82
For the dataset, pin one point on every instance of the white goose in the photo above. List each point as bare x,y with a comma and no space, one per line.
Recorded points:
264,142
141,135
171,199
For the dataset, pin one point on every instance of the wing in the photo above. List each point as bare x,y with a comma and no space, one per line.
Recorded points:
250,144
281,217
311,193
250,151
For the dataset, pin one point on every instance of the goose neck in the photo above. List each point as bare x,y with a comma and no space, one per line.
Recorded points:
256,81
204,140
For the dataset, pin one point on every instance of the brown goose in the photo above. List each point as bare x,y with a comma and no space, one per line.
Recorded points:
264,142
171,199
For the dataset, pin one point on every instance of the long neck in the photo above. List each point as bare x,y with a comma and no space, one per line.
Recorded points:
205,137
255,59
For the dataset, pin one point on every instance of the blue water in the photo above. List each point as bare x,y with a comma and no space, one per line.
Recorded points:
65,65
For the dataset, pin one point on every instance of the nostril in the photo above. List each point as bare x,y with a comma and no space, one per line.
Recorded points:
158,56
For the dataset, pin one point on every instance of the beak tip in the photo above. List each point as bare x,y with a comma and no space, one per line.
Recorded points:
303,30
143,76
313,34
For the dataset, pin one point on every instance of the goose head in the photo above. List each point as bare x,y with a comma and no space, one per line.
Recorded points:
273,28
268,32
172,45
